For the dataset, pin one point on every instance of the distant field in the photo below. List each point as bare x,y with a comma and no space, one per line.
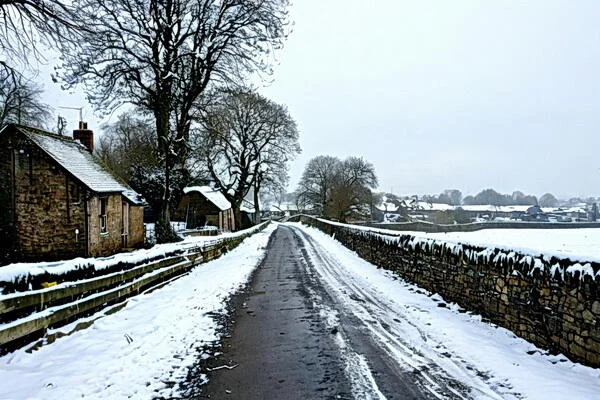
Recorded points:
582,244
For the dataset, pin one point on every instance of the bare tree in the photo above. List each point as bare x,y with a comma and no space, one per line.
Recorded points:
127,143
351,196
339,189
128,147
161,55
317,182
20,102
26,23
245,143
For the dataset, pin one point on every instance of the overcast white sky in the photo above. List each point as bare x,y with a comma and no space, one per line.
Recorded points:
448,94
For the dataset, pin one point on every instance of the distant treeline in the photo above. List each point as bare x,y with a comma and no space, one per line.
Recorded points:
490,196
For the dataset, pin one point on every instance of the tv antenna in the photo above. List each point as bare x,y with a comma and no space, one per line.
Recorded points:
75,108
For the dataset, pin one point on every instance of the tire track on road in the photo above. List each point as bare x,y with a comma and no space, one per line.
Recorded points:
387,325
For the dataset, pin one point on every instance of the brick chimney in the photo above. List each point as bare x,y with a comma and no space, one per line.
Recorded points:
85,136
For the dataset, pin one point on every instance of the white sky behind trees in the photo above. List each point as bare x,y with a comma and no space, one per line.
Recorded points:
445,94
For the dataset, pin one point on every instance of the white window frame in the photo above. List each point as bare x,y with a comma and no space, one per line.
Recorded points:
103,218
125,208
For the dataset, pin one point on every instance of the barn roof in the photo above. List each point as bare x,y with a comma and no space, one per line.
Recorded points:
213,195
79,162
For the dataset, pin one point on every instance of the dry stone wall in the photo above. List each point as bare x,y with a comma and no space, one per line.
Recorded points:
550,301
422,226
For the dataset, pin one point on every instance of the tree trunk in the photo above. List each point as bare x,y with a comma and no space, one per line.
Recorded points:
164,231
237,218
256,205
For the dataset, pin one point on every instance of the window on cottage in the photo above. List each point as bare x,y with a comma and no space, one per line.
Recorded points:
74,193
125,219
102,214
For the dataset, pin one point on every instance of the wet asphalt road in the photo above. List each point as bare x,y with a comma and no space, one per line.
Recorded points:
286,344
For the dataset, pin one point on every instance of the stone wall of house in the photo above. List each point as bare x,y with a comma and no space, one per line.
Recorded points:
8,245
109,242
552,302
136,226
49,206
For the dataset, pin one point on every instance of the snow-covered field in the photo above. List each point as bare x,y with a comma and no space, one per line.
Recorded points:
582,244
577,244
490,360
141,351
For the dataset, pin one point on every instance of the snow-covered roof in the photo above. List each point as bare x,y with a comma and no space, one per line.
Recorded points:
424,205
387,207
134,197
283,207
79,162
213,195
492,208
247,206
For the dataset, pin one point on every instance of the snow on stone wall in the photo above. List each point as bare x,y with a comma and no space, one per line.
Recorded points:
551,301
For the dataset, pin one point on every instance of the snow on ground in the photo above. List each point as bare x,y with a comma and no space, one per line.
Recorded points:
579,244
141,351
461,340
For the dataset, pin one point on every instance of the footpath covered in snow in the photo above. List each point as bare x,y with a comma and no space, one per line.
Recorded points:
141,351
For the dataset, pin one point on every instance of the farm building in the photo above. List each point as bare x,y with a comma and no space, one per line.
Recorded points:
58,200
203,206
283,210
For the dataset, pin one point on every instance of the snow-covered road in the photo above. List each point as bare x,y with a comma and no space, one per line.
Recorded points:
452,353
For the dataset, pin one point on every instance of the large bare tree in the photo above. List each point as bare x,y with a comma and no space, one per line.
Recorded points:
318,179
338,189
128,147
245,143
162,55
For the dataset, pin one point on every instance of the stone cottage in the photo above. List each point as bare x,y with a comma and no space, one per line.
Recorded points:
201,206
59,202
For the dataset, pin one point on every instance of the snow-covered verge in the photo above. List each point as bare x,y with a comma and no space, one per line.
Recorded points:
23,272
470,350
145,349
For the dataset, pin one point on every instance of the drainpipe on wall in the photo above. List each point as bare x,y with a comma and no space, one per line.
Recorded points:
86,232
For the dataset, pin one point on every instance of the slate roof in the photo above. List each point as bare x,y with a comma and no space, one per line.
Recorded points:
214,196
71,155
